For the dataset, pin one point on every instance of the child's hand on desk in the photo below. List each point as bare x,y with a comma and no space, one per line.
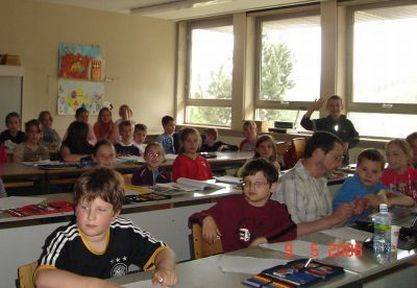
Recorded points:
210,231
165,277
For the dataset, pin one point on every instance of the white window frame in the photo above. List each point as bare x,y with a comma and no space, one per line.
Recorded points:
188,101
389,108
288,13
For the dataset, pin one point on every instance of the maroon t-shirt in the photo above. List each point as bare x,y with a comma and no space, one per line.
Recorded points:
240,223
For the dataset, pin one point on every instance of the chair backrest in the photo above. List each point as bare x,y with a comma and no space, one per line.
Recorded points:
299,146
282,148
201,247
25,273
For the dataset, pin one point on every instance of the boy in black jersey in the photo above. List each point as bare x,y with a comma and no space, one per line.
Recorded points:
100,245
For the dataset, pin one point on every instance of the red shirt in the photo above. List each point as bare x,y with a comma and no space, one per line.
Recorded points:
240,223
405,183
197,169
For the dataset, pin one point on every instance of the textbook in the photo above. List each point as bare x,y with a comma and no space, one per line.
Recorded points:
297,273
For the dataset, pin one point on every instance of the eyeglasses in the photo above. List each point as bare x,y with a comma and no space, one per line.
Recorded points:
256,185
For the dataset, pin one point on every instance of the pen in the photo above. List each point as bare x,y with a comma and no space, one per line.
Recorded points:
307,263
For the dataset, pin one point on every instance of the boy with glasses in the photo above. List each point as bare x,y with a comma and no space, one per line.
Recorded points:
251,218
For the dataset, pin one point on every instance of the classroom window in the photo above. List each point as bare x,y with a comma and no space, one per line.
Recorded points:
383,68
210,73
220,116
294,116
289,65
392,125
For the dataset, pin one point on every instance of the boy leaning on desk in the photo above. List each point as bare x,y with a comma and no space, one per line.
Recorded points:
251,218
99,244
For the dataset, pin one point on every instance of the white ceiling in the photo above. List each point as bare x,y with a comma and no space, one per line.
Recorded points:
177,9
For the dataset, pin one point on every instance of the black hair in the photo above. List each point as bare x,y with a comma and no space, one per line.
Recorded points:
80,111
260,165
11,115
323,140
76,139
371,155
166,119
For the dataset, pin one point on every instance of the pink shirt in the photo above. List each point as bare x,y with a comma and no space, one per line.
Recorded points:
405,183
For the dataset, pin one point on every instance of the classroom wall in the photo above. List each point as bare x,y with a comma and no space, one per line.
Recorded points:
139,54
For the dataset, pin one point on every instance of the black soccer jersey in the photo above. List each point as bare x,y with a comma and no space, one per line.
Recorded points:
67,249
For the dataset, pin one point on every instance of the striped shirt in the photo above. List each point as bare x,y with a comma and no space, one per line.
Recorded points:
68,249
307,198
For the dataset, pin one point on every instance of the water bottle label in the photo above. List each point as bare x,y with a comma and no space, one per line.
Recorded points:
381,227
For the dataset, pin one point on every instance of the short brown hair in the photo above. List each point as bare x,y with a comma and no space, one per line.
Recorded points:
125,123
101,182
410,138
141,127
371,155
31,123
248,123
213,132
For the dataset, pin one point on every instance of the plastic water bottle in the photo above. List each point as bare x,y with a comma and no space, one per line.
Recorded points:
382,234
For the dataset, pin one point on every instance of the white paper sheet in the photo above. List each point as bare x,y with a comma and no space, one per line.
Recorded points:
18,201
299,248
348,233
141,284
228,179
171,156
248,265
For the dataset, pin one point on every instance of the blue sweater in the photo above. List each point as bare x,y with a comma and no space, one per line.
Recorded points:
352,189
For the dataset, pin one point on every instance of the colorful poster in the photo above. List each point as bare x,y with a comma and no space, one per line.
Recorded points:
75,60
75,94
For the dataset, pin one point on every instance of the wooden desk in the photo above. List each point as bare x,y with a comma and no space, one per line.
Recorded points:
14,174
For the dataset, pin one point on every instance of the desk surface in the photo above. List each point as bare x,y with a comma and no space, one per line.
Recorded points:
207,272
190,198
17,170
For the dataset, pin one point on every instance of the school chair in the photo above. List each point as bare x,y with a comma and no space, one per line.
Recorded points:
299,146
201,247
25,274
282,148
